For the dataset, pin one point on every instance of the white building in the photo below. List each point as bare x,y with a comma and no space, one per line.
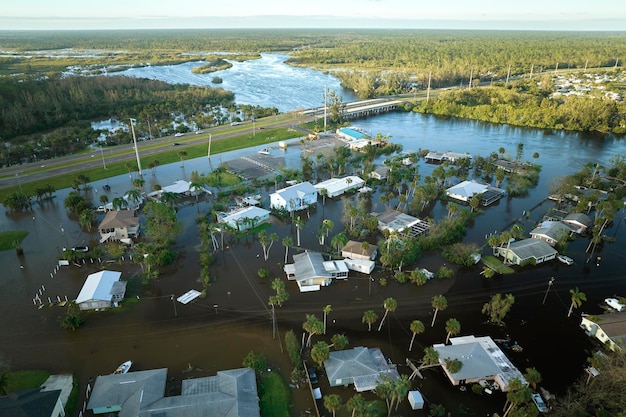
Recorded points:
101,290
465,190
337,186
311,272
244,218
294,198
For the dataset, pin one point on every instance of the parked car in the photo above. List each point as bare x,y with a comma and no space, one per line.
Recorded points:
312,375
234,124
179,134
565,259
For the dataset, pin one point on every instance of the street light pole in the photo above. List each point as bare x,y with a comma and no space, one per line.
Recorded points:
132,128
550,282
102,154
174,303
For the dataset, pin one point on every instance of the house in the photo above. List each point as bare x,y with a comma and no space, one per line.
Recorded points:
522,252
465,190
482,359
360,366
295,197
439,157
357,250
351,134
125,201
101,290
337,186
120,225
578,222
360,265
244,218
379,173
550,232
609,329
311,272
396,221
32,402
182,188
231,393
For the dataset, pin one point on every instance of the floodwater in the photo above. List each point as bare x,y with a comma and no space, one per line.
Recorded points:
216,332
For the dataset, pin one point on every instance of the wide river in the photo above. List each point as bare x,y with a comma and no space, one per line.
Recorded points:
155,333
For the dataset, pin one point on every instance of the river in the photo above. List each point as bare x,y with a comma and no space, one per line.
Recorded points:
156,334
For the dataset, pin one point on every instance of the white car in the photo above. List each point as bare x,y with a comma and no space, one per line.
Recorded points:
565,259
178,135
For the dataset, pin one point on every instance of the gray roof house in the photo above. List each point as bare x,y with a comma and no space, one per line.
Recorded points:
396,221
101,290
360,366
579,222
295,197
231,393
311,271
607,328
550,232
122,225
526,251
481,358
32,403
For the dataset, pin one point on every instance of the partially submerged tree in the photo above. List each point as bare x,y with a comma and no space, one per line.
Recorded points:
498,307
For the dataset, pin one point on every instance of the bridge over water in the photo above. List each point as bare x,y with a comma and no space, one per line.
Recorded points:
363,108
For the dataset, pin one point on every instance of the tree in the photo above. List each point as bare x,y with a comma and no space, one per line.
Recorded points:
339,241
498,307
320,352
287,242
339,341
266,242
255,361
182,155
332,403
577,299
430,358
327,309
517,395
357,405
533,377
312,326
73,317
390,304
369,317
133,196
299,225
417,327
453,327
325,228
439,302
292,344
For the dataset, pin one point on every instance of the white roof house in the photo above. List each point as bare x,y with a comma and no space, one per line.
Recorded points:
481,358
244,218
465,190
337,186
295,197
396,221
101,290
360,366
311,272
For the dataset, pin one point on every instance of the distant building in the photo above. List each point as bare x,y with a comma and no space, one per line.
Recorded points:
101,290
337,186
294,198
231,393
481,359
311,272
396,221
360,366
244,218
550,232
120,225
380,173
465,190
525,251
356,250
439,157
609,329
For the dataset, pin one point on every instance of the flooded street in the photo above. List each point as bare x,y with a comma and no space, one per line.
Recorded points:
216,332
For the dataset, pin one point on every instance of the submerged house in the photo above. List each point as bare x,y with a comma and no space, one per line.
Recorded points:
295,197
244,218
311,271
396,221
337,186
578,222
465,190
481,359
101,290
609,329
230,393
360,366
120,226
525,251
550,232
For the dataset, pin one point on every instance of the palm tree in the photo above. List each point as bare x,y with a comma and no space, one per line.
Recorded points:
196,187
299,224
104,199
439,302
390,304
325,228
339,241
138,183
312,326
266,242
339,341
133,196
332,403
401,389
320,352
453,327
182,155
169,198
287,242
369,317
327,309
417,327
356,404
577,300
119,203
430,358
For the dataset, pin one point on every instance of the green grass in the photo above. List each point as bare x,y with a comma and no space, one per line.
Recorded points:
497,265
23,380
274,396
8,238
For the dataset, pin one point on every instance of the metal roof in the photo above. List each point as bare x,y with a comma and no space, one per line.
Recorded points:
98,286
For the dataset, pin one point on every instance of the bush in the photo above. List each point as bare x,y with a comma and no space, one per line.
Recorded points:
274,396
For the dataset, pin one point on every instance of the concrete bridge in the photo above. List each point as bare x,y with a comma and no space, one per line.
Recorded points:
363,108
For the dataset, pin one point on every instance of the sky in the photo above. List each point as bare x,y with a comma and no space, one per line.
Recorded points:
577,15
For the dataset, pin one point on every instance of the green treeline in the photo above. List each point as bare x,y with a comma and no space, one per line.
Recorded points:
523,104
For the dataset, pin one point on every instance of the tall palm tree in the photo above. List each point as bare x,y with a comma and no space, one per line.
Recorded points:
299,224
182,155
439,302
133,196
357,404
287,242
332,403
417,327
312,326
119,203
369,317
390,304
339,241
577,300
453,327
169,198
327,309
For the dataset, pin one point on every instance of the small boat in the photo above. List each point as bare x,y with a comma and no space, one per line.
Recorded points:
264,151
565,259
123,368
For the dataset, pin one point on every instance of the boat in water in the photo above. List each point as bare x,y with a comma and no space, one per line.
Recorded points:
123,368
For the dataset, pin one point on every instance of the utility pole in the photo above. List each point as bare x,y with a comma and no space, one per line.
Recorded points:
132,128
556,68
325,107
428,90
586,62
209,151
102,154
550,282
469,84
508,74
174,303
531,71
